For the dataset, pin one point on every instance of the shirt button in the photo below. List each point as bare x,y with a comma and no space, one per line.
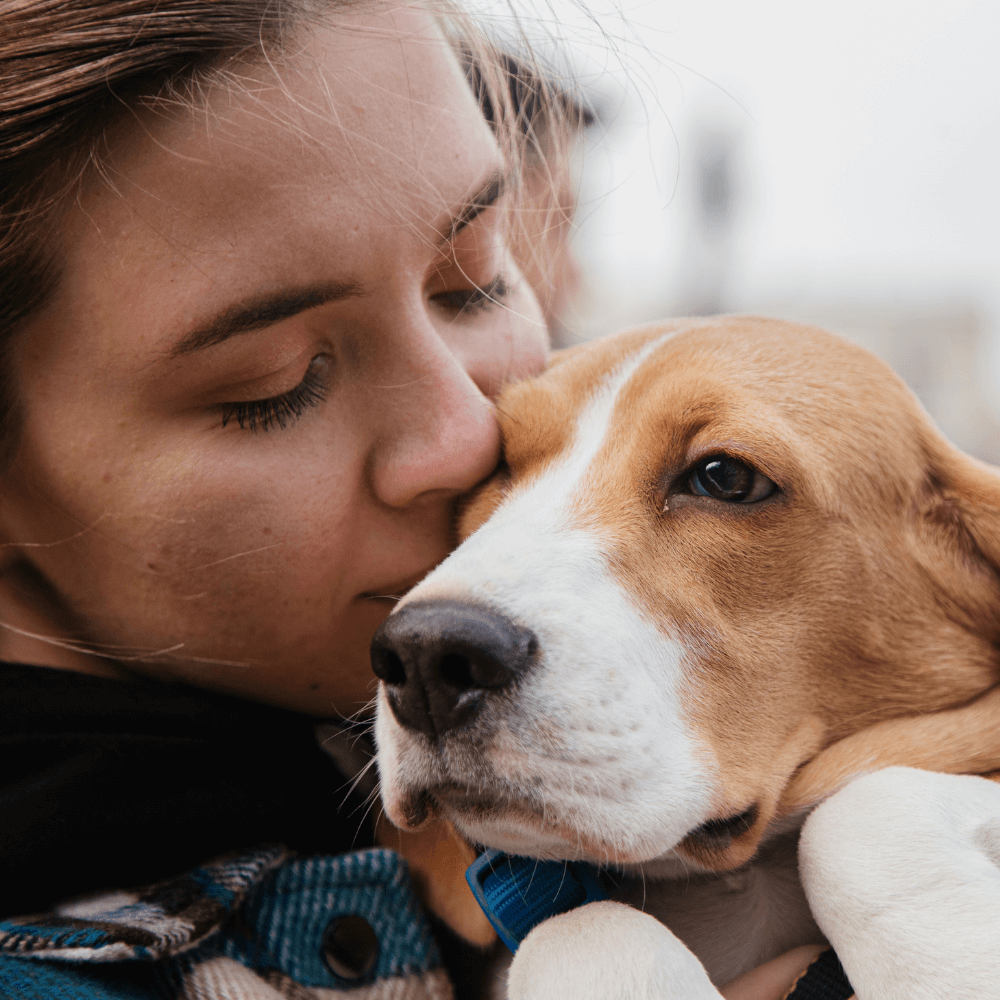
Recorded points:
350,947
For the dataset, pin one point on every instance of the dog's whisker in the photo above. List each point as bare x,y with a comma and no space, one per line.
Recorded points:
358,778
373,797
369,807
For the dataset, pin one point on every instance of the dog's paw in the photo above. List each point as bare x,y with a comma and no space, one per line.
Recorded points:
606,951
902,870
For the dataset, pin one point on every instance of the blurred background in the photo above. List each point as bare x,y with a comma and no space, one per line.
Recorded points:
833,163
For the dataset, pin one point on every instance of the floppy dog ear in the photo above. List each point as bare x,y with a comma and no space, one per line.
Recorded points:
964,740
438,857
957,544
958,520
975,489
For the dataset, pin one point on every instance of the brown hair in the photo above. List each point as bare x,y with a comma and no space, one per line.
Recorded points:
70,68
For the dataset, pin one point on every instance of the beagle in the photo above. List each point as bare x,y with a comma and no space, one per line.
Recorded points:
726,566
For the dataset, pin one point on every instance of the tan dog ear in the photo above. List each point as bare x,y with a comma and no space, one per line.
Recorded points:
958,547
438,857
964,740
958,539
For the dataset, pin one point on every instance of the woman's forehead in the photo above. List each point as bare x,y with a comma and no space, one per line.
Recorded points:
352,145
369,106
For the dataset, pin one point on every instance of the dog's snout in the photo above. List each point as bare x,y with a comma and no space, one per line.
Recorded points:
439,658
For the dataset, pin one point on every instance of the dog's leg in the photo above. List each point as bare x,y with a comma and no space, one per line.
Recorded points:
606,951
902,871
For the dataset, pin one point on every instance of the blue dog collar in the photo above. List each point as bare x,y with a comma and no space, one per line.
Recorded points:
518,893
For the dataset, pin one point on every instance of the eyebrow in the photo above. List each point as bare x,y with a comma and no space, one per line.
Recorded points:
477,203
261,311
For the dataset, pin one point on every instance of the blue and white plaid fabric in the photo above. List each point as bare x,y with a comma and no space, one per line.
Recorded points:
252,927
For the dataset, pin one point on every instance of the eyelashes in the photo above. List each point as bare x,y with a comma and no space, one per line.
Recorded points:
280,411
466,301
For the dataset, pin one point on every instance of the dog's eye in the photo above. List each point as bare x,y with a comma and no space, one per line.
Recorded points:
723,477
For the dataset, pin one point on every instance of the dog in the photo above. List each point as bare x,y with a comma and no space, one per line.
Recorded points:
725,567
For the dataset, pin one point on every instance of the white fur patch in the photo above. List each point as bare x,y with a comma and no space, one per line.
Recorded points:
594,738
579,956
902,870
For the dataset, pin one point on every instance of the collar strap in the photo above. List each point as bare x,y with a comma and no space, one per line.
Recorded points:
518,893
825,979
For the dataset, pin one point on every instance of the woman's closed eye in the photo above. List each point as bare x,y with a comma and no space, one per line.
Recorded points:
284,409
466,301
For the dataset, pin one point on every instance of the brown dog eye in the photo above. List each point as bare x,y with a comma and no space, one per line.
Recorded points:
723,477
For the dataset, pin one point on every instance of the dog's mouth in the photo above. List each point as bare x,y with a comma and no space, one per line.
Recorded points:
465,805
507,822
714,830
716,837
519,826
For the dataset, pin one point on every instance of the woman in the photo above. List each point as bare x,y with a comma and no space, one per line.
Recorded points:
263,271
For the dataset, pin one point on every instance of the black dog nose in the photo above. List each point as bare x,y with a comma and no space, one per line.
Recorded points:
439,658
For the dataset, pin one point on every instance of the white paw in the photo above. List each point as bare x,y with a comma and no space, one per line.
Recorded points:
606,951
902,871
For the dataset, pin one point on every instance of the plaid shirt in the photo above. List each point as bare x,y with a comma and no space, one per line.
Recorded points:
260,926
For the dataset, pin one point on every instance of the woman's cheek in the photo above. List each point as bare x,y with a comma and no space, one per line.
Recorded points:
517,341
530,335
240,533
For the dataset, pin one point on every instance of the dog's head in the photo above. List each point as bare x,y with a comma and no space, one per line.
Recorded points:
713,549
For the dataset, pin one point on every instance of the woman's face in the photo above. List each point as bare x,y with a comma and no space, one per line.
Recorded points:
267,372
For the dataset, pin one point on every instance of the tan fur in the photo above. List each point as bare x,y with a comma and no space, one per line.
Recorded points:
958,741
866,591
846,624
438,857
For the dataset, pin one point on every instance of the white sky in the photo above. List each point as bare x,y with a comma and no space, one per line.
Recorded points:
870,134
877,125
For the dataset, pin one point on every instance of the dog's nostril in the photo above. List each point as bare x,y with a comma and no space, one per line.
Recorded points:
434,656
388,667
456,670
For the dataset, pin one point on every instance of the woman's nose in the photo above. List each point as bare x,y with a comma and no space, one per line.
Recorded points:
438,430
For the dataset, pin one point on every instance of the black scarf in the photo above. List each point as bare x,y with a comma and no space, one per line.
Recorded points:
111,784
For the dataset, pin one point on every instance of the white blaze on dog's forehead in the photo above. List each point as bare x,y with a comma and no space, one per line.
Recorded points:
618,760
543,508
594,422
